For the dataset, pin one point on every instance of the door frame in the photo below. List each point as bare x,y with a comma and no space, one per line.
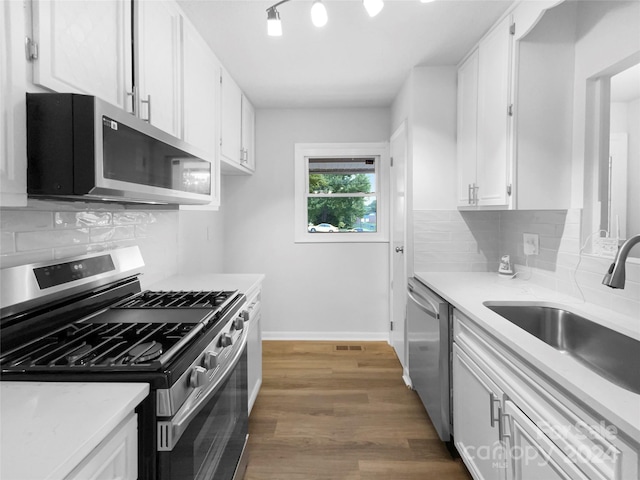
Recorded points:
401,131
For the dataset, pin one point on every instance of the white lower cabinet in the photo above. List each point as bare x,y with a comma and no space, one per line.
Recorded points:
254,348
476,405
116,458
511,422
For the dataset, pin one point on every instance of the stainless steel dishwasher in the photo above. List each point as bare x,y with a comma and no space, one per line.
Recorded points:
429,341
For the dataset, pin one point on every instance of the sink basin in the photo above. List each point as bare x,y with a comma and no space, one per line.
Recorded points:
607,352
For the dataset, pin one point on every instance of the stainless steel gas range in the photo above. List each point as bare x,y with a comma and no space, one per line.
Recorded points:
87,319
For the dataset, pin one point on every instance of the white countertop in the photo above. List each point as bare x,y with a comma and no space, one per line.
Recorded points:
49,428
245,282
468,291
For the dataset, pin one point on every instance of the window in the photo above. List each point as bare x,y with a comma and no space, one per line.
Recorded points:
341,192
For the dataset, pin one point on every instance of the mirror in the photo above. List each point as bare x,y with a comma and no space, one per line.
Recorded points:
616,207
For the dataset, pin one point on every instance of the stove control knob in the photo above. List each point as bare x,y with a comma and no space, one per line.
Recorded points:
198,377
245,315
238,324
210,360
226,340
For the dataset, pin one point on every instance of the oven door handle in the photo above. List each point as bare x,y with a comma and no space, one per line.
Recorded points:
170,431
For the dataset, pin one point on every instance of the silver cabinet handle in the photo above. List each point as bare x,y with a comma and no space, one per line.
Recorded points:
148,102
475,194
469,194
134,99
492,418
399,249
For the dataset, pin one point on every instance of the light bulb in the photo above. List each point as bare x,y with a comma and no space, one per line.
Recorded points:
319,15
274,25
373,7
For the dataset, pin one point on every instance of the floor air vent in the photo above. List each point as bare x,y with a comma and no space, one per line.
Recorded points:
344,348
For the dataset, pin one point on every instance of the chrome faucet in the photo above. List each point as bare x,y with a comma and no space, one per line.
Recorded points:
615,276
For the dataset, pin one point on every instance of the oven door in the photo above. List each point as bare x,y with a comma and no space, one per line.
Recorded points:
208,440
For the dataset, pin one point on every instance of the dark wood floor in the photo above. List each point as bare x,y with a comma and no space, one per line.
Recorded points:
328,413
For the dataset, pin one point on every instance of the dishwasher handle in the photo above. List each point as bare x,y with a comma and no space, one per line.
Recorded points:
433,312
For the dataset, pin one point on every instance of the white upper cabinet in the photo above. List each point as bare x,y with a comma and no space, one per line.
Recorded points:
515,111
248,157
230,121
544,86
484,116
467,151
13,149
84,47
494,118
237,128
201,103
159,64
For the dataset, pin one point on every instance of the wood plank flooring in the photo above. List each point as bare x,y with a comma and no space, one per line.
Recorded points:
325,413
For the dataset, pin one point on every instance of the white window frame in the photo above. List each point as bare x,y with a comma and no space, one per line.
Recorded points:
304,151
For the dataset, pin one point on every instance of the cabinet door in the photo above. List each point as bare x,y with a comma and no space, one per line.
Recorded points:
13,143
201,76
84,47
532,455
231,119
115,458
159,64
494,122
476,416
254,353
248,134
467,141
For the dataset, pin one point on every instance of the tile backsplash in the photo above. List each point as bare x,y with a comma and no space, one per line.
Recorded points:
51,230
476,240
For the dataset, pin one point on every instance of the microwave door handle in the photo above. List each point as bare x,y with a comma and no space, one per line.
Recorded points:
169,432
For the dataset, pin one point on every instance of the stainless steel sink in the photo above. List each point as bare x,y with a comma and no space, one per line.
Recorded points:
610,354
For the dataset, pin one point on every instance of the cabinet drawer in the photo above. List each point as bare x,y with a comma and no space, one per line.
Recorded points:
116,458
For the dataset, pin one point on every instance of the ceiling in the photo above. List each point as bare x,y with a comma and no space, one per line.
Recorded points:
354,61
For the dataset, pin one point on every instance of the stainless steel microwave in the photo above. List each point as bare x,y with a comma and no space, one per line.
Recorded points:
82,148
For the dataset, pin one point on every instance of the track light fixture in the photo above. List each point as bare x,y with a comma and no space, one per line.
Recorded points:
319,15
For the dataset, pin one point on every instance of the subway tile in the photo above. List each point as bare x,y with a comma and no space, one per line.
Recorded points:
72,251
130,218
424,237
26,241
7,243
104,234
82,219
422,216
25,221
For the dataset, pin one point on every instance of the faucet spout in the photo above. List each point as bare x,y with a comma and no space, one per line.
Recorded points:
615,276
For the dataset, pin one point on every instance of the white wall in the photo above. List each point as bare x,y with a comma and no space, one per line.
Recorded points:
607,34
311,291
427,100
201,241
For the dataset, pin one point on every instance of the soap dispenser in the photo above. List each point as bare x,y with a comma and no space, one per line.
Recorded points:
505,266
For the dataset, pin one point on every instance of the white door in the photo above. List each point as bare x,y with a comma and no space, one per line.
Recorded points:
493,118
159,65
398,245
230,118
467,139
84,47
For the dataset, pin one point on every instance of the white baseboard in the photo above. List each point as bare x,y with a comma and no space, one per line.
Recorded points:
328,336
